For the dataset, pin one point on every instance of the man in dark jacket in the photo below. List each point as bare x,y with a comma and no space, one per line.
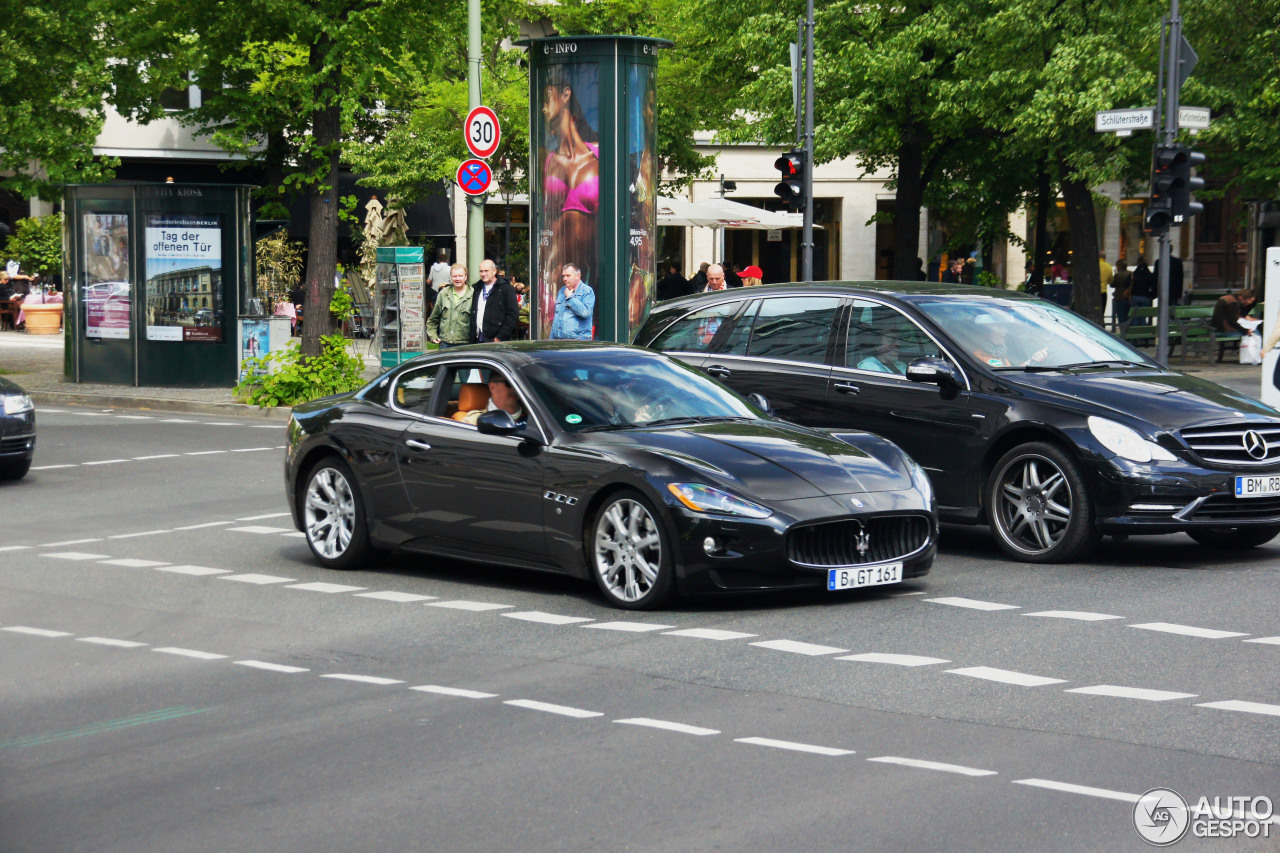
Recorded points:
495,309
673,284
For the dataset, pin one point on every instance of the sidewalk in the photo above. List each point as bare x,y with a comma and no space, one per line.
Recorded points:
35,363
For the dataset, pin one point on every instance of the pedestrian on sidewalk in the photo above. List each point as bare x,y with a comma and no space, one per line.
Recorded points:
450,322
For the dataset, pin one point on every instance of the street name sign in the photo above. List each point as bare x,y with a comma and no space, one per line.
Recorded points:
1193,118
1124,121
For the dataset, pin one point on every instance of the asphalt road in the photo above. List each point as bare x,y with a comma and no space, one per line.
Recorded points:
177,675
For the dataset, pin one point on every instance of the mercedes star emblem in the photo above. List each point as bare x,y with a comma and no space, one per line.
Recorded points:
1254,444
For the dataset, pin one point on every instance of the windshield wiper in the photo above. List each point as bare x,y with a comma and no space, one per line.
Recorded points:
1107,362
607,427
695,419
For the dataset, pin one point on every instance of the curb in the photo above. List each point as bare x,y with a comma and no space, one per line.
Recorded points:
107,401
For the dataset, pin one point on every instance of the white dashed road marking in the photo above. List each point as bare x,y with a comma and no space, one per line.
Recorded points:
70,542
203,452
325,587
136,535
563,710
1081,615
106,462
189,653
933,765
1006,676
972,604
36,632
634,627
75,555
454,691
15,548
1131,693
268,515
1187,631
156,456
260,529
1067,787
667,725
708,634
545,618
51,467
797,747
206,524
799,648
1243,707
472,606
896,660
193,570
271,667
261,580
401,597
1274,641
134,564
106,641
363,679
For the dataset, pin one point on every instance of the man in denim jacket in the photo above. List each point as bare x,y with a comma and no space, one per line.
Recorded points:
575,307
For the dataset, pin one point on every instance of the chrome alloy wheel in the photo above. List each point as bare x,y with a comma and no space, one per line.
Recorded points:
1033,505
628,550
330,513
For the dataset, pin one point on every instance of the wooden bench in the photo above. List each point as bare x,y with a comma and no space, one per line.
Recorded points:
1143,334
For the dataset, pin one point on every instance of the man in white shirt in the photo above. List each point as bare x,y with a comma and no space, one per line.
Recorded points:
439,273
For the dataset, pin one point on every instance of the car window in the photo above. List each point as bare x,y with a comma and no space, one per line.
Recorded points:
414,387
734,340
884,340
797,328
695,332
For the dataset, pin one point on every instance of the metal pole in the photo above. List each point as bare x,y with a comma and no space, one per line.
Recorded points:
1168,133
475,205
806,237
796,85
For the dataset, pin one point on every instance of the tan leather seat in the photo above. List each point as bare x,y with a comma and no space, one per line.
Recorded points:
472,396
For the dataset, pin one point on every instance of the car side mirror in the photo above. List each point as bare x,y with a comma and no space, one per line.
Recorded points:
759,401
935,371
497,422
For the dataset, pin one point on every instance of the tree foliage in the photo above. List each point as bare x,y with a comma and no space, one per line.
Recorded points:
36,244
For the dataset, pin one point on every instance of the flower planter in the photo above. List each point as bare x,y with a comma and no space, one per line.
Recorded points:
43,318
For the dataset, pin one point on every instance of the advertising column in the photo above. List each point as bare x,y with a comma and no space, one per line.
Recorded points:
593,181
1271,361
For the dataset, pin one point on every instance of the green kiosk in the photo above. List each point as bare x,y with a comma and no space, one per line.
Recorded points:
593,177
154,277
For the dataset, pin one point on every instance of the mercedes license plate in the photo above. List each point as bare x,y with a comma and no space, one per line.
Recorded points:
1257,487
852,578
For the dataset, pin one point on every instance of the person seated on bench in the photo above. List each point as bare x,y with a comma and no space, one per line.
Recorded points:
1227,313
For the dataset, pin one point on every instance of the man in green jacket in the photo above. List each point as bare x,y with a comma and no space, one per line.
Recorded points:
450,321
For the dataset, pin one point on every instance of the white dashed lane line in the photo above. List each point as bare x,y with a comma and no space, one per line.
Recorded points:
136,535
562,710
260,580
107,641
35,632
1067,787
632,627
895,660
1187,631
206,524
400,597
271,667
798,648
545,618
1005,676
1273,641
1079,615
795,747
260,529
261,517
75,555
155,456
454,691
1243,707
196,571
971,604
362,679
708,634
190,653
472,606
932,765
1131,693
134,564
667,725
16,548
330,588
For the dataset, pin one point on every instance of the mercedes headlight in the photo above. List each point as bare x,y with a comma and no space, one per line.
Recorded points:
706,499
1127,443
16,404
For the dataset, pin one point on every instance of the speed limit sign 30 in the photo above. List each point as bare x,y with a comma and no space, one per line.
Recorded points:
482,132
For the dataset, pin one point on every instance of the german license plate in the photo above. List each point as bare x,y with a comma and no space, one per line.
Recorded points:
1257,487
852,578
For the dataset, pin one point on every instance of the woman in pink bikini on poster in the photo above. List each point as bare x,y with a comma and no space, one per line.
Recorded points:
571,189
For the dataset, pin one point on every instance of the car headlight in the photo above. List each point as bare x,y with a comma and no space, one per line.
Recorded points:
16,404
706,499
1127,443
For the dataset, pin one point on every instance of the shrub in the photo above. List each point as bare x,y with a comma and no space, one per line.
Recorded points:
286,378
36,245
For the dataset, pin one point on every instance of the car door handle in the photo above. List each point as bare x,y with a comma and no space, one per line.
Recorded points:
417,445
720,372
846,388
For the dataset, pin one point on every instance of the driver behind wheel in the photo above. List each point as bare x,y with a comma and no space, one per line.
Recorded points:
501,396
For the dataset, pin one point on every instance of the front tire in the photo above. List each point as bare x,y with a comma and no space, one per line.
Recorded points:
1234,538
14,469
333,516
630,556
1039,505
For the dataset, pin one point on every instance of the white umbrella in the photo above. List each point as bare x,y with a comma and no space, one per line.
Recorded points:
676,212
735,214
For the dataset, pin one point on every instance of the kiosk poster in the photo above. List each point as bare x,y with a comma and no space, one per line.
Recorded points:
567,172
641,167
184,277
106,264
412,321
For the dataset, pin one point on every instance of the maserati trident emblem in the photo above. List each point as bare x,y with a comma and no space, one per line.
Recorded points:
1254,444
857,503
863,542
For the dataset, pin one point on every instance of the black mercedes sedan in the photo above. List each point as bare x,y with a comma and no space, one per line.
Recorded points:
1026,416
601,461
17,431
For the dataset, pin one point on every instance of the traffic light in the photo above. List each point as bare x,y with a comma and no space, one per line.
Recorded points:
791,166
1171,187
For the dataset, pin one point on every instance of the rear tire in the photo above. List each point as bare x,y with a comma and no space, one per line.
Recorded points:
333,516
1234,538
1039,505
628,553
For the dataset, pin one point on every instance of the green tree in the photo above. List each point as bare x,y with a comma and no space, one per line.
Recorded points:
36,244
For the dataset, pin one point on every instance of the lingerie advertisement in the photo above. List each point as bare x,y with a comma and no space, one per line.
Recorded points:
568,160
643,194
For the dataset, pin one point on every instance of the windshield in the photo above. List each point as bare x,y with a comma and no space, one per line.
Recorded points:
616,389
1031,333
